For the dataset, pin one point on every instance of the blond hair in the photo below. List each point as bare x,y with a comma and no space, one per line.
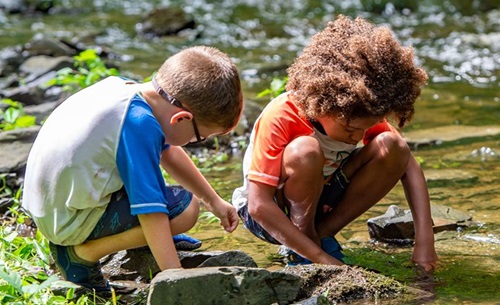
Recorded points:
206,82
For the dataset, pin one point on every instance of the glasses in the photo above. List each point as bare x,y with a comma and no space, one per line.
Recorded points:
172,100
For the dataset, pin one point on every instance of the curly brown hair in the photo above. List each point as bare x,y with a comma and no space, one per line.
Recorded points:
356,70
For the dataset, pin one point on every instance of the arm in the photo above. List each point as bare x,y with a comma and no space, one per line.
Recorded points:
182,169
417,196
156,229
266,212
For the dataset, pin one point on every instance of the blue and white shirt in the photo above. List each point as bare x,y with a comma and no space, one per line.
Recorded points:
100,139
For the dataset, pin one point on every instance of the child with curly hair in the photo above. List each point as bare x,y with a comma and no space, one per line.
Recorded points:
305,176
93,183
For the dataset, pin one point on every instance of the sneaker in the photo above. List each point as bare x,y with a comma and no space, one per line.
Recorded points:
186,242
77,270
331,246
294,259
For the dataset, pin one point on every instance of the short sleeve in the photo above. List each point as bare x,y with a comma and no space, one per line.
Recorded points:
277,126
374,131
138,159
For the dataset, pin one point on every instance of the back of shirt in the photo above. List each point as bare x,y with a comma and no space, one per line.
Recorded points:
72,162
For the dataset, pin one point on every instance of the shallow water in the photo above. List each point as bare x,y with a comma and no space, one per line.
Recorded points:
460,51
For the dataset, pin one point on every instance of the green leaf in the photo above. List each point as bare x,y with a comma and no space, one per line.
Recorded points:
86,56
11,115
70,294
10,102
25,121
264,93
13,278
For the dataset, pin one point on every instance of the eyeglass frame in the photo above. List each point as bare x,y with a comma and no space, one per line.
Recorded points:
173,101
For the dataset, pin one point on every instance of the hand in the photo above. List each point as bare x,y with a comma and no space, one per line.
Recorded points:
425,266
227,214
425,257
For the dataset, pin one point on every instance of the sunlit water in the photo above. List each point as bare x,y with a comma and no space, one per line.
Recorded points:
460,51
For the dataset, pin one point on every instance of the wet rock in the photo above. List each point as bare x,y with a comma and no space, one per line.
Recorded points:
215,258
344,284
396,225
27,95
10,60
42,111
223,285
439,135
164,22
139,264
26,6
36,72
37,66
49,47
14,149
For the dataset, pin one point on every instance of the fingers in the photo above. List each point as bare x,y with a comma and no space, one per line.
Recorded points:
232,222
426,266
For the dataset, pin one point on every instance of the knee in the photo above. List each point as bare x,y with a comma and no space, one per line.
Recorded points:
303,153
393,149
192,212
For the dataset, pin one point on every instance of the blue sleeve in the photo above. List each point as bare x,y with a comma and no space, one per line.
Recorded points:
138,159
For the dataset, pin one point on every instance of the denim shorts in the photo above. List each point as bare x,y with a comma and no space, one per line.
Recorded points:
333,190
117,218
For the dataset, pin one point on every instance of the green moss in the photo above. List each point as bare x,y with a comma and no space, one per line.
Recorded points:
455,278
396,265
467,280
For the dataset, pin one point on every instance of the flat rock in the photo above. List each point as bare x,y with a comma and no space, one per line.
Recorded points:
223,285
444,177
439,135
396,225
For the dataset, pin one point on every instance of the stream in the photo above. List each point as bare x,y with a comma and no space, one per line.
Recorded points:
456,41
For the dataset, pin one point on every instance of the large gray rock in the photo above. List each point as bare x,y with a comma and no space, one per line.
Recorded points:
164,22
223,285
139,265
14,149
396,225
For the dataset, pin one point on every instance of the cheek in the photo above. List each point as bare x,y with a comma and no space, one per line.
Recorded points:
358,135
339,135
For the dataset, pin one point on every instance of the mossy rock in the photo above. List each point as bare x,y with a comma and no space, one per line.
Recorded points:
342,284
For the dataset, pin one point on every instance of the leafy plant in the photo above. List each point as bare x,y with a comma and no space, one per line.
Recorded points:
14,116
88,69
23,261
276,87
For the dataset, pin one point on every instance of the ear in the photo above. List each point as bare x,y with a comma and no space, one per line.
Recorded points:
180,116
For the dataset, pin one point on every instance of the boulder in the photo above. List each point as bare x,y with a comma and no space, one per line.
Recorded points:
396,225
223,285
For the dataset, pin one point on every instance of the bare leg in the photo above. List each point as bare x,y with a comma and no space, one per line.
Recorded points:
372,172
302,174
94,250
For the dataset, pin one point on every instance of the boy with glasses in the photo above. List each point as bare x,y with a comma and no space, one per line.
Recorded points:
93,182
305,177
